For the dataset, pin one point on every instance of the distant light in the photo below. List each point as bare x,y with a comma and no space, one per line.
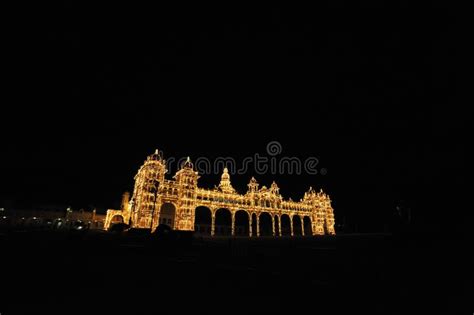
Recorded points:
34,218
2,209
4,217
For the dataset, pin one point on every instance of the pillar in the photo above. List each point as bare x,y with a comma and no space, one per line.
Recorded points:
153,223
291,224
279,226
233,222
302,226
273,225
213,222
250,224
258,225
106,223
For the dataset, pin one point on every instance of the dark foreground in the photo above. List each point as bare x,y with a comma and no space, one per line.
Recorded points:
45,272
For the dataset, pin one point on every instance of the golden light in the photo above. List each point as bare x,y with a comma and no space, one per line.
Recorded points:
152,190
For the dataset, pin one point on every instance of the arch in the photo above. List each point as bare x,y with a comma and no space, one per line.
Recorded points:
285,225
202,220
116,219
254,224
241,223
307,226
167,214
277,225
223,222
327,226
265,224
297,225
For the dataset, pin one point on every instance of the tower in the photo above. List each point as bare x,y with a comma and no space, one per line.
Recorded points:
274,189
125,200
125,207
225,184
328,214
323,213
252,191
186,180
252,185
145,199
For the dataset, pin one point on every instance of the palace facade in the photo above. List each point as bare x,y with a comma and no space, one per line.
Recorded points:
182,205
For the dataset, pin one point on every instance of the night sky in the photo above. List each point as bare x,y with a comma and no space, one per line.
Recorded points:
370,95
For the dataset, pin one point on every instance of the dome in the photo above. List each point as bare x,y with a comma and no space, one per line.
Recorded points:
156,156
187,163
225,184
225,174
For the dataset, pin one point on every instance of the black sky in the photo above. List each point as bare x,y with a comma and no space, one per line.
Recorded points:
370,95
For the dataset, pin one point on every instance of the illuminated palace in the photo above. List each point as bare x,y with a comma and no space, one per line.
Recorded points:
182,205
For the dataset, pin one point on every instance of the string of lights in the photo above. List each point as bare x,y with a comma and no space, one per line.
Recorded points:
152,191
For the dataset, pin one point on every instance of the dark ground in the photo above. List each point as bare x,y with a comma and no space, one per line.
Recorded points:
48,272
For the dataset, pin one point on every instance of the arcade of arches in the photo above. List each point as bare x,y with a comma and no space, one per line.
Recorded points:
182,205
236,222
